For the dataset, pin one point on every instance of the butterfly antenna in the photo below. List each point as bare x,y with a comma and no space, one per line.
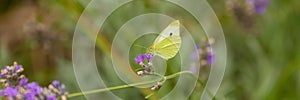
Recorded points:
140,46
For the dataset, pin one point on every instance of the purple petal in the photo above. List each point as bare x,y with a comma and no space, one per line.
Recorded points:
210,58
18,67
4,71
2,75
6,68
148,57
2,92
52,97
34,88
142,56
10,91
139,59
29,96
197,47
55,83
259,5
23,81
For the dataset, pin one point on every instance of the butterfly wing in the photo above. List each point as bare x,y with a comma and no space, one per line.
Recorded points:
172,29
168,47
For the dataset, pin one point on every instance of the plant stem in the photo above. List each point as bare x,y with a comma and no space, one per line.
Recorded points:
164,78
111,88
148,96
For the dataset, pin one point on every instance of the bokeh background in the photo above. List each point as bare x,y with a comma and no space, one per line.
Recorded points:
263,46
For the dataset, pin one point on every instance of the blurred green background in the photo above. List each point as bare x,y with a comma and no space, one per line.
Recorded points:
263,49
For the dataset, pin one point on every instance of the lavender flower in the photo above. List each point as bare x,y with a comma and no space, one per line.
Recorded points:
140,59
9,91
55,83
18,67
52,97
147,67
259,5
59,89
210,58
29,96
148,57
16,86
34,88
205,52
11,75
23,81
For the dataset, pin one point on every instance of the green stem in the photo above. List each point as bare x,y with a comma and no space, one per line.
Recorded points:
148,96
178,73
164,78
111,88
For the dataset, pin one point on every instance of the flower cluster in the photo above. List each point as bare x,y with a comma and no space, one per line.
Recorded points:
207,58
16,86
259,6
206,54
144,60
11,75
245,13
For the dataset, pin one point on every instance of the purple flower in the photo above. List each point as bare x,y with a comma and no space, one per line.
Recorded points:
2,75
55,83
197,47
29,96
9,91
141,58
210,58
34,88
18,67
259,5
52,97
4,71
148,57
5,68
2,92
16,86
23,81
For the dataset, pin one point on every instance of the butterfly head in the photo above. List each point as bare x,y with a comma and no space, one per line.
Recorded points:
150,50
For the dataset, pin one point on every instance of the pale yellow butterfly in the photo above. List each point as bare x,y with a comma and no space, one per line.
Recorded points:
168,42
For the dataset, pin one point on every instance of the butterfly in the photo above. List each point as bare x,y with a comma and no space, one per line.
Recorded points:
168,42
